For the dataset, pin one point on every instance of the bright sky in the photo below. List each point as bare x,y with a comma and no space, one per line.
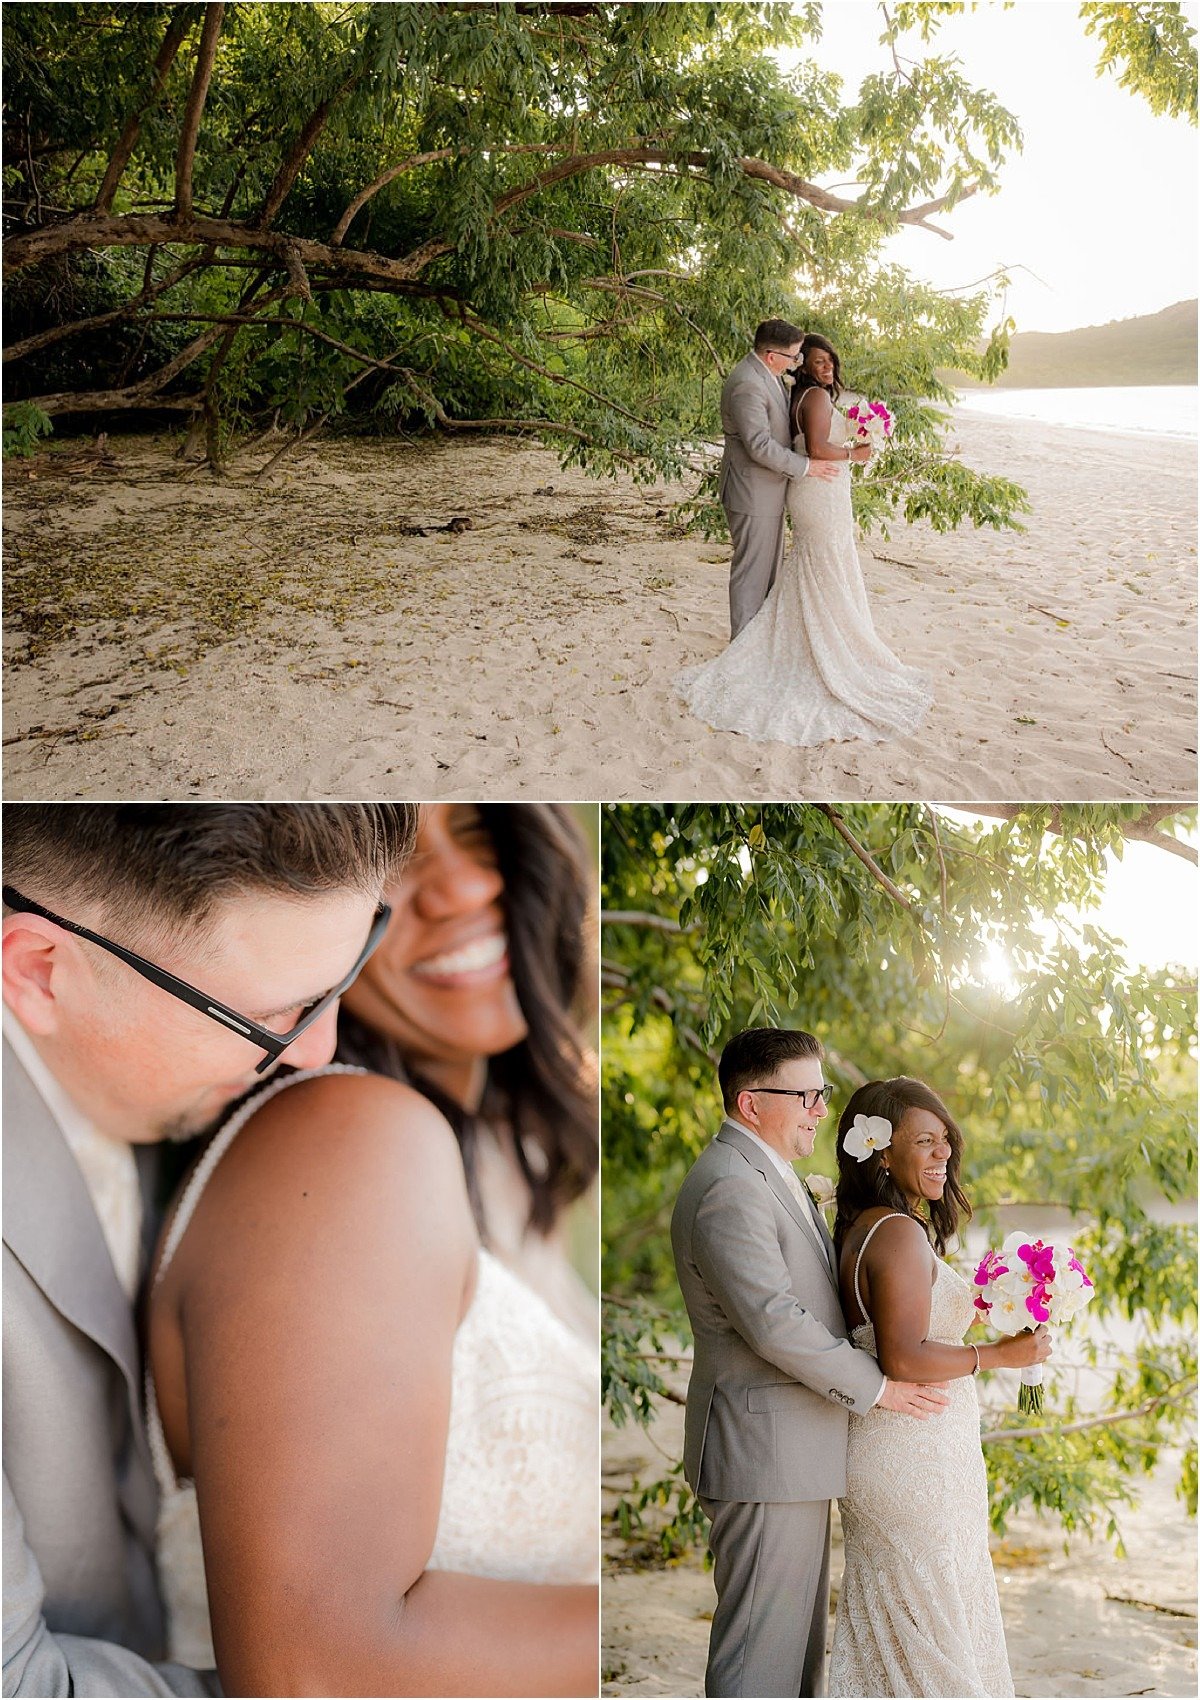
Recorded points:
1101,204
1151,902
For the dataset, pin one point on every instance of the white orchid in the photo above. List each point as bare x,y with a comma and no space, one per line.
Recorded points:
824,1191
1008,1313
867,1134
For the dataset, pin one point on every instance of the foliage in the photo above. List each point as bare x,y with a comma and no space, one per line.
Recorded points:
24,426
560,219
549,218
871,925
1149,49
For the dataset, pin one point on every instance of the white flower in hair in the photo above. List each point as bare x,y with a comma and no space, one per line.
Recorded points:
867,1134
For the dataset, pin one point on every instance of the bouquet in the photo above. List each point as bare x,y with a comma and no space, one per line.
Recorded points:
1026,1282
871,422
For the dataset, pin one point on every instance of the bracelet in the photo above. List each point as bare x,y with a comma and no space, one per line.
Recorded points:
975,1349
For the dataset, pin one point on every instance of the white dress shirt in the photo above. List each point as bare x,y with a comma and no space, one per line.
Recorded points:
107,1165
781,1163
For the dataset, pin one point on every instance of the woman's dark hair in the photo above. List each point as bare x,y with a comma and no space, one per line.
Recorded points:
544,1088
805,382
864,1185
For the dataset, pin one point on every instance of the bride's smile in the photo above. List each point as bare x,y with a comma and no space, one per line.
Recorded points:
442,984
919,1155
482,957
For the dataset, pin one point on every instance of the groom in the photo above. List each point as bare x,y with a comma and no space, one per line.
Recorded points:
757,465
774,1376
271,908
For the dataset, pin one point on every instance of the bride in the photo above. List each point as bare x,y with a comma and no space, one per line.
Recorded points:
809,667
383,1433
918,1612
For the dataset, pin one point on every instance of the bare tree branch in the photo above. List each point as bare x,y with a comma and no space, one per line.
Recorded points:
128,139
136,230
149,292
868,861
997,1435
481,330
197,95
145,393
643,918
792,184
542,427
1141,831
293,163
298,278
617,980
435,157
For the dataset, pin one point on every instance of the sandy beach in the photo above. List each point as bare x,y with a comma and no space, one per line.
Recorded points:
464,619
1083,1622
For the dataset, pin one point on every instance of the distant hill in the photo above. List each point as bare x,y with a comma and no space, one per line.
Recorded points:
1158,348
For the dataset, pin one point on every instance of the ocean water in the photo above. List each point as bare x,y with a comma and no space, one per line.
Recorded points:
1161,410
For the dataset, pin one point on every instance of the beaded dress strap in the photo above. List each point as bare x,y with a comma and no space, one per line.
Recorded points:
862,1309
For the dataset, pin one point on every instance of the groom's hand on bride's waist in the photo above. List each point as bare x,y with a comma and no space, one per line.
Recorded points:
913,1398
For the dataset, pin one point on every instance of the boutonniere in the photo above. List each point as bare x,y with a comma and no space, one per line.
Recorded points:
823,1190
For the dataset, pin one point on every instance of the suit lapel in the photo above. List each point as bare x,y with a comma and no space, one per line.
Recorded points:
50,1225
775,395
807,1218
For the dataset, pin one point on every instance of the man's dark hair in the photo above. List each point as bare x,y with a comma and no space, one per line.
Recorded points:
753,1058
778,334
151,866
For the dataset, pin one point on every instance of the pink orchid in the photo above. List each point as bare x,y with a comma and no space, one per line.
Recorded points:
1039,1259
990,1269
1036,1304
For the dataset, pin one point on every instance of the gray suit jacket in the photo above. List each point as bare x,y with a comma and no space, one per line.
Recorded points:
758,459
82,1613
774,1376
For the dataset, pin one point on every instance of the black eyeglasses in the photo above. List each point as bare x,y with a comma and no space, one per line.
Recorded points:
272,1043
810,1099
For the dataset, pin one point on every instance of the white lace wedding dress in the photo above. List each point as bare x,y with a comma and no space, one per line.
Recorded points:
520,1492
809,667
918,1612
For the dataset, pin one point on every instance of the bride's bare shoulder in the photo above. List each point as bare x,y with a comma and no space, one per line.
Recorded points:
343,1133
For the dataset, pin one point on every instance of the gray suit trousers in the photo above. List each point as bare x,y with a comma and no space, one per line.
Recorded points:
771,1569
757,552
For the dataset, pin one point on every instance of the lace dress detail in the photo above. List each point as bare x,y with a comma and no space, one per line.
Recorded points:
809,667
520,1490
918,1612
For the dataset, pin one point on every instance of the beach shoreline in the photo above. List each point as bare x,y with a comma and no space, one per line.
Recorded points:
466,619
